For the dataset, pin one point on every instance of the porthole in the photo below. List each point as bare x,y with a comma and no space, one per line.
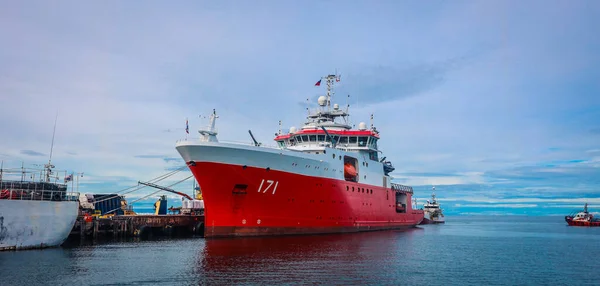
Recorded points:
333,156
347,188
353,189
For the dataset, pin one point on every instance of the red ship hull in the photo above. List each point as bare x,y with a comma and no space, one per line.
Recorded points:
249,201
572,222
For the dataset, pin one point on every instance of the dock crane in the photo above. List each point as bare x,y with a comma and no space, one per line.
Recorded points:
165,189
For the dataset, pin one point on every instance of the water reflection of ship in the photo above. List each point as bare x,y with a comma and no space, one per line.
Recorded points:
230,260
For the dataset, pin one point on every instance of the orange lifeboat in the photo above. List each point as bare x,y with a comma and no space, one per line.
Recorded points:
349,171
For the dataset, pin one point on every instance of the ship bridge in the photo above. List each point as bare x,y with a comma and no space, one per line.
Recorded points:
328,127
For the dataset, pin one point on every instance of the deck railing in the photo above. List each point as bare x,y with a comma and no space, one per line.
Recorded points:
15,191
403,188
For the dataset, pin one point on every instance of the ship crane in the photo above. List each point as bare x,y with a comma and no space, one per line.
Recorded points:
256,143
165,189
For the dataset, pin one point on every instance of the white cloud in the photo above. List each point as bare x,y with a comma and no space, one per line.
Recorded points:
453,100
496,205
522,200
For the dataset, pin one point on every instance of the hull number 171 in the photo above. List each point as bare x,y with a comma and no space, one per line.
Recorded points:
268,185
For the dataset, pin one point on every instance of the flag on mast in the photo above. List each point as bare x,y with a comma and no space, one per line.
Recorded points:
187,128
318,83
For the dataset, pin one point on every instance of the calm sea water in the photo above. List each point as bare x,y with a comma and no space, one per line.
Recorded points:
483,250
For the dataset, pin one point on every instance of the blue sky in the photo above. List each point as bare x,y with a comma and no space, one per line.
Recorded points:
496,103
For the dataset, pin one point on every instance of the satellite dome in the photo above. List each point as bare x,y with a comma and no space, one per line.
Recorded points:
336,106
293,129
362,126
322,100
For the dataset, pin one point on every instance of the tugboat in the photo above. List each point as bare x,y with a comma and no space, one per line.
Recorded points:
583,218
433,212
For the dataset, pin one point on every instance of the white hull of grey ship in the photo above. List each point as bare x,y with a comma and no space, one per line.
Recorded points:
434,219
28,224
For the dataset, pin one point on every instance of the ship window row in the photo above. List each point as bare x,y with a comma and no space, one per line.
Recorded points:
360,141
359,190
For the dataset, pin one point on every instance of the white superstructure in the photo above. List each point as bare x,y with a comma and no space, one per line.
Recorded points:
432,209
319,149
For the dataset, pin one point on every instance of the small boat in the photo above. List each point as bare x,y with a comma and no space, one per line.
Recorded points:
583,218
433,212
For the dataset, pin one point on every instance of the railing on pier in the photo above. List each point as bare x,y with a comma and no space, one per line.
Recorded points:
403,188
33,191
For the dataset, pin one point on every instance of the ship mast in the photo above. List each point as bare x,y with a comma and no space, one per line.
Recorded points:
330,79
49,166
209,134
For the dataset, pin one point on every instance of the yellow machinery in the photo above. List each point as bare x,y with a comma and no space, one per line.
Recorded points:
198,194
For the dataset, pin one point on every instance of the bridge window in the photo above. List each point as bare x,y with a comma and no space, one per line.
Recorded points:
305,138
281,144
321,138
373,156
362,141
344,140
373,143
352,140
312,138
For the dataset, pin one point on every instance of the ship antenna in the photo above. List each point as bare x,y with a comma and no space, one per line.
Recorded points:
279,127
53,132
330,79
307,107
347,109
49,165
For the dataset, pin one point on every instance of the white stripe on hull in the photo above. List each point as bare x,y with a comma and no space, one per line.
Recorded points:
35,224
324,165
